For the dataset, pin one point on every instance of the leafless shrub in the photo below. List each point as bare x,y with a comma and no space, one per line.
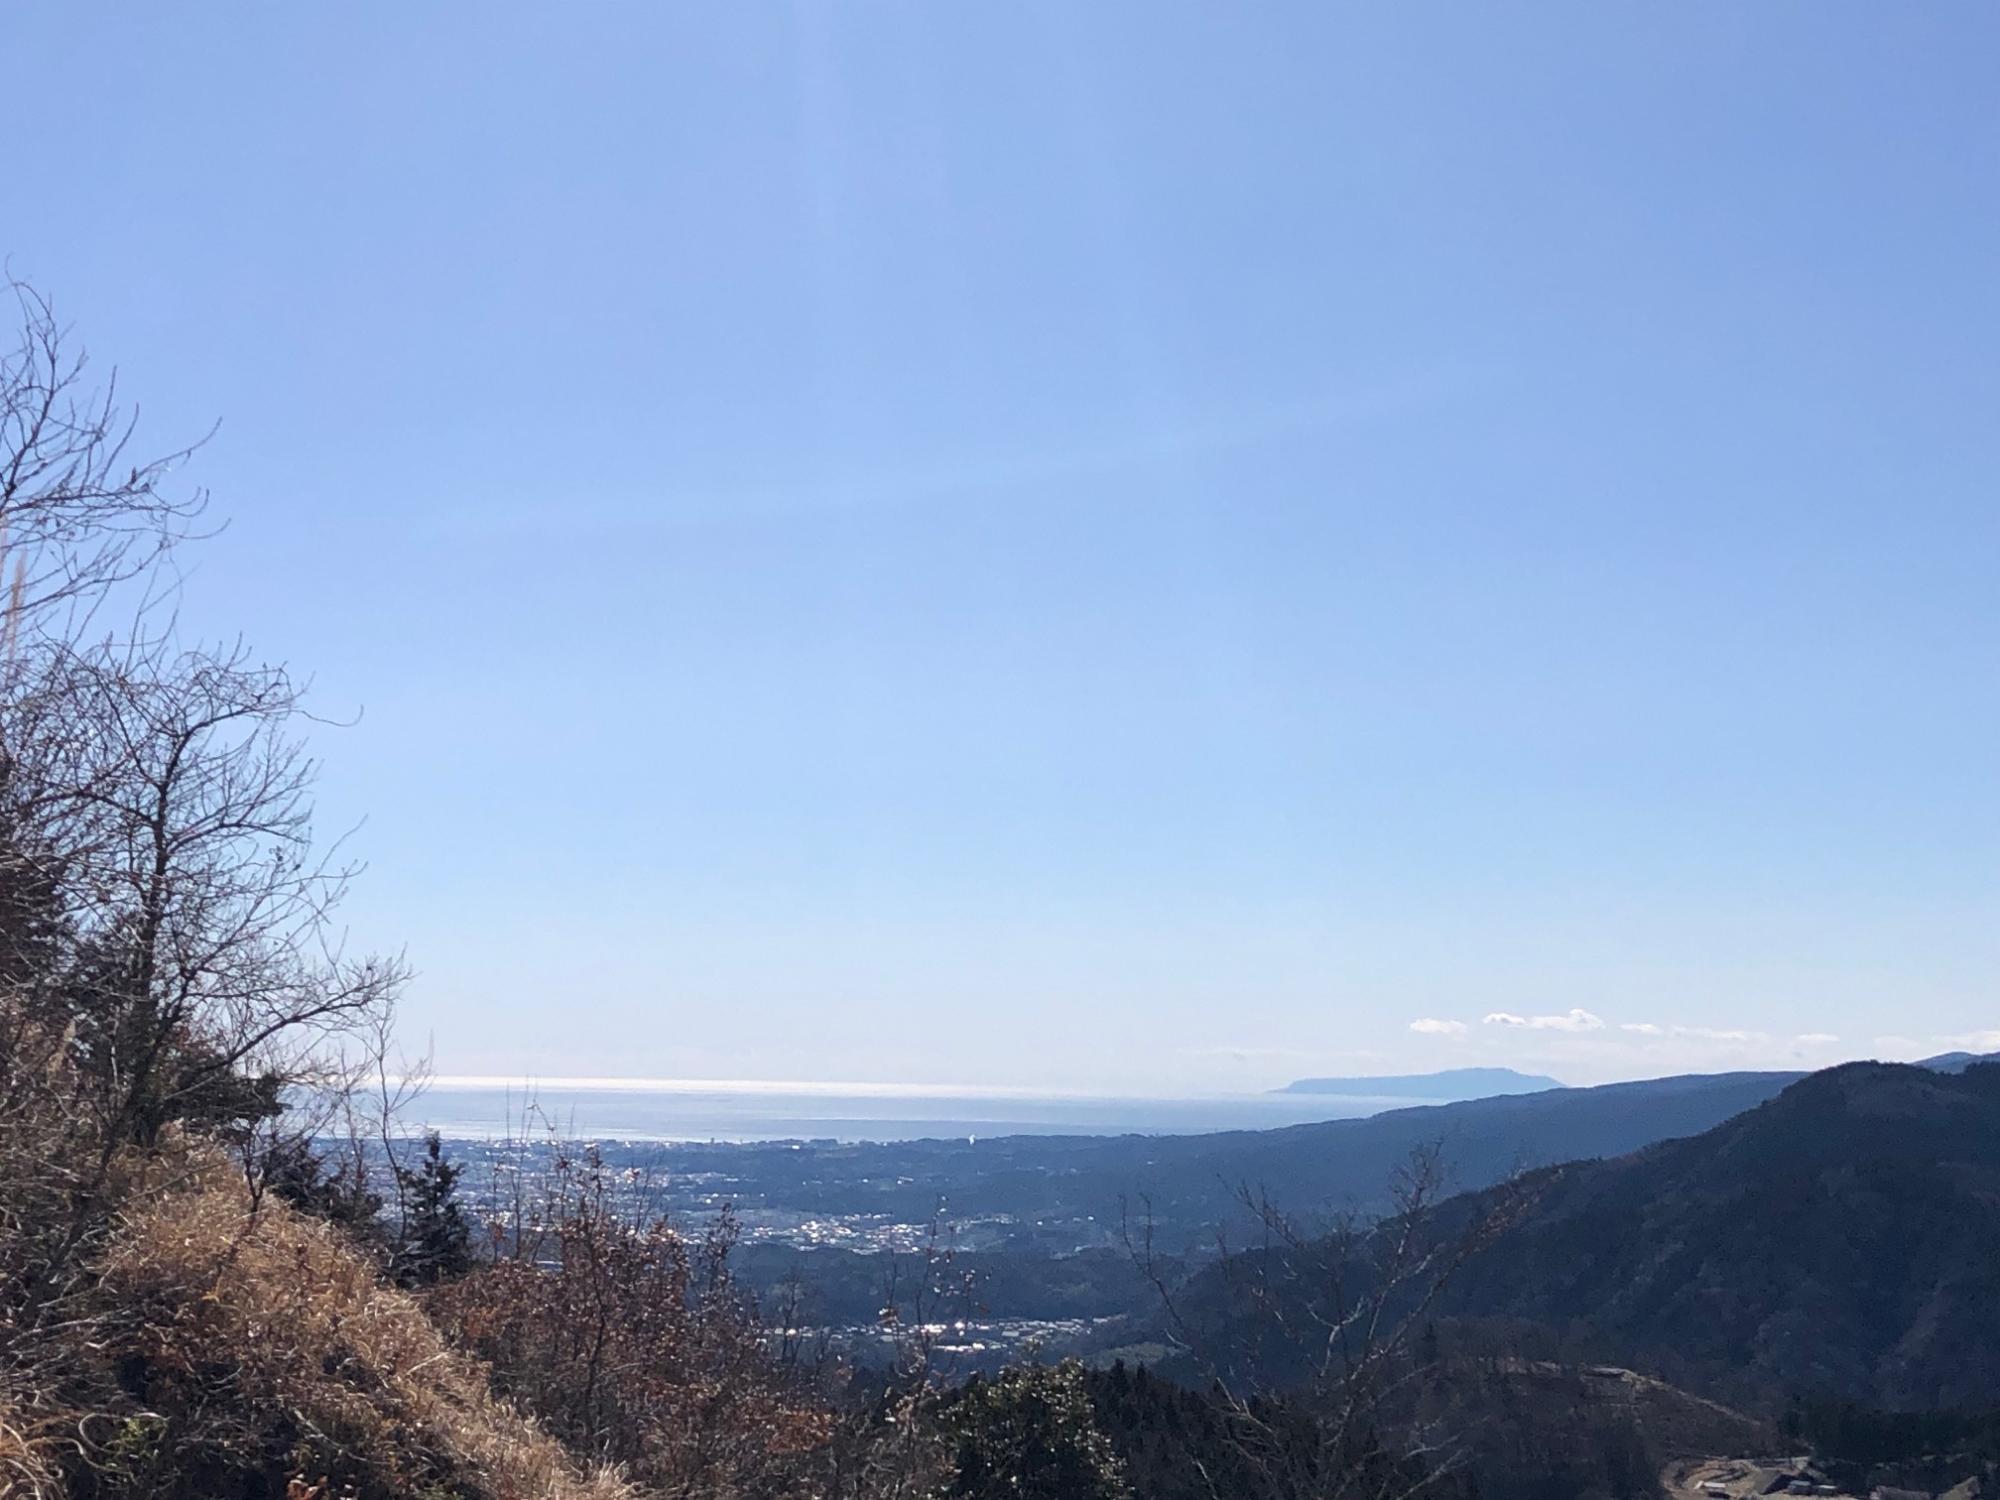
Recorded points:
1311,1338
629,1337
633,1343
892,1447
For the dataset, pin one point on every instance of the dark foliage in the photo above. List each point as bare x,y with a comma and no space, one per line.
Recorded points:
1029,1433
1476,1432
1175,1443
298,1173
435,1238
1865,1446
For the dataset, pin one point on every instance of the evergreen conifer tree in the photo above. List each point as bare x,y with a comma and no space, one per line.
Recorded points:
436,1239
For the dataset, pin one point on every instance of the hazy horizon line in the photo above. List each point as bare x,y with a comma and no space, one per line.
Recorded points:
822,1088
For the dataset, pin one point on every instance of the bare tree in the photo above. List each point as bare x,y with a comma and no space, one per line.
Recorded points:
170,953
206,915
1310,1339
78,515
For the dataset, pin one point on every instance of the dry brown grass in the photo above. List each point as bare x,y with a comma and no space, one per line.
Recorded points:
27,1470
307,1331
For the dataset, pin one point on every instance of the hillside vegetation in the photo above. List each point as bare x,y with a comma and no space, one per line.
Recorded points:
262,1352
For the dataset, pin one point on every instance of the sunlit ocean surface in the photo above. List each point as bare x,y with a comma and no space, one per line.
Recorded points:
686,1114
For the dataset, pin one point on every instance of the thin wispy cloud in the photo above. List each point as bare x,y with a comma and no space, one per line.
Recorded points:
893,481
1697,1033
1570,1020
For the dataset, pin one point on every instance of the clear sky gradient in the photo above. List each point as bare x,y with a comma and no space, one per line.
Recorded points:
1142,547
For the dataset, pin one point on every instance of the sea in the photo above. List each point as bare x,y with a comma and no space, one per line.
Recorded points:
672,1110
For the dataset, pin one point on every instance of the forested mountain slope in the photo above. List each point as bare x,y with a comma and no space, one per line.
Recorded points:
1838,1238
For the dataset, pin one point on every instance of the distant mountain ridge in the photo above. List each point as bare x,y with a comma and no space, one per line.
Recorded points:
1192,1183
1351,1164
1957,1062
1448,1085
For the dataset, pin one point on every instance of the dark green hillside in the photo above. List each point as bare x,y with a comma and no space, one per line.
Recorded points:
1840,1238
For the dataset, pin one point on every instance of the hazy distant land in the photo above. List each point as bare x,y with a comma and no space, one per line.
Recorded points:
694,1111
1445,1087
699,1110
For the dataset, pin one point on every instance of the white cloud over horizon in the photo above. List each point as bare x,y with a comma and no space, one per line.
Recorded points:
1696,1033
1578,1019
1973,1041
1581,1045
1431,1026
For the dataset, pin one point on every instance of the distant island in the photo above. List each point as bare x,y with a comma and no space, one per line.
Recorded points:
1450,1084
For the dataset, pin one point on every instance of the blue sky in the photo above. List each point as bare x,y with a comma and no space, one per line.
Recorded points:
1136,547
